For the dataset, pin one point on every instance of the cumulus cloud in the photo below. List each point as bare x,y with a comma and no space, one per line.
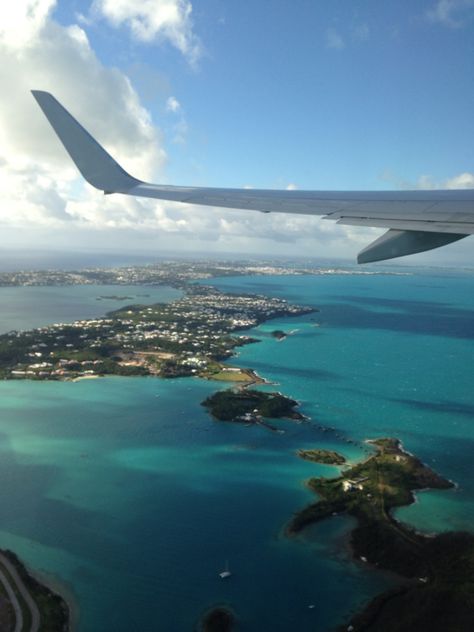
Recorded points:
463,180
180,126
451,13
173,105
154,21
37,178
21,21
41,193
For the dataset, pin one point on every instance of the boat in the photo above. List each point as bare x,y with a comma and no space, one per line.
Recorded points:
226,572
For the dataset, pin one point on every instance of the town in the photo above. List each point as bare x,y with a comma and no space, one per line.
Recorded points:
175,273
189,336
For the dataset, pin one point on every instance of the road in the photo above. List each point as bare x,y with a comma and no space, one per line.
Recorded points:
31,605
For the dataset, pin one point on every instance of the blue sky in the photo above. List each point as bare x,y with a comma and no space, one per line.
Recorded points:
318,95
271,102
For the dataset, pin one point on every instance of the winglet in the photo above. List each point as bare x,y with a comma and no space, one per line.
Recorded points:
95,164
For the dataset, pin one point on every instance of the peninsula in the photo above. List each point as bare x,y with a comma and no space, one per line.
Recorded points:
438,592
189,336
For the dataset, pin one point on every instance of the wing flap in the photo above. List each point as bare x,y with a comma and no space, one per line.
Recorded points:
398,243
430,226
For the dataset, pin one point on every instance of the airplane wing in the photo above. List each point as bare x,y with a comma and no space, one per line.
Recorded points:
417,220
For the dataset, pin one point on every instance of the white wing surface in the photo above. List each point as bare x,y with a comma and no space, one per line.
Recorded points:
417,220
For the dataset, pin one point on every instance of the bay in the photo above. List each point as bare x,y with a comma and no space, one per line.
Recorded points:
125,491
27,307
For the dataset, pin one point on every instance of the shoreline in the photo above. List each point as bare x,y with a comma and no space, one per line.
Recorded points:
58,587
51,605
433,571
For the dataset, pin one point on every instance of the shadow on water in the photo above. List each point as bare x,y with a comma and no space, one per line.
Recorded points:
264,368
25,499
408,317
440,406
464,409
391,303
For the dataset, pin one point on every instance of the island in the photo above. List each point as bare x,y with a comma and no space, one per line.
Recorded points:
329,457
114,297
219,619
278,334
250,406
437,593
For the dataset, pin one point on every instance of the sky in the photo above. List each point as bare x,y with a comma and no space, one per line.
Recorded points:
264,93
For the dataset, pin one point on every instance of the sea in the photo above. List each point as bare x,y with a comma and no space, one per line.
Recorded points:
126,496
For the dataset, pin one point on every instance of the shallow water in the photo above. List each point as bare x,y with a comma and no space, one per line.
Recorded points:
125,490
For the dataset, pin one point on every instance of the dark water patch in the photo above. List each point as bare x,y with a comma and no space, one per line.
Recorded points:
25,486
410,306
439,406
435,320
317,374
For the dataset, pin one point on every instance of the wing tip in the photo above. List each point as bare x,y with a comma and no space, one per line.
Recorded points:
94,163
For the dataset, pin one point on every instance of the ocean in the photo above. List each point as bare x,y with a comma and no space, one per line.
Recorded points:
126,493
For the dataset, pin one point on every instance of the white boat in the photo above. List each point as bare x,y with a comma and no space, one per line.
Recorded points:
226,572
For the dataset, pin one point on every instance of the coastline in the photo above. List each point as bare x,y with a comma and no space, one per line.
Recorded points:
58,587
366,566
432,569
44,599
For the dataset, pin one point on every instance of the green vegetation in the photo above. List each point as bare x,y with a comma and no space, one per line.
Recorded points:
442,600
440,596
226,373
278,334
190,336
329,457
368,491
54,612
248,406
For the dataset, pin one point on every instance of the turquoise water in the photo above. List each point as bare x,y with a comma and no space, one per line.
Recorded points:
126,492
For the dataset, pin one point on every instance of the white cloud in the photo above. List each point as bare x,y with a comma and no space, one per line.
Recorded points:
154,21
173,105
451,13
37,178
291,187
21,21
180,127
463,180
41,194
334,39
